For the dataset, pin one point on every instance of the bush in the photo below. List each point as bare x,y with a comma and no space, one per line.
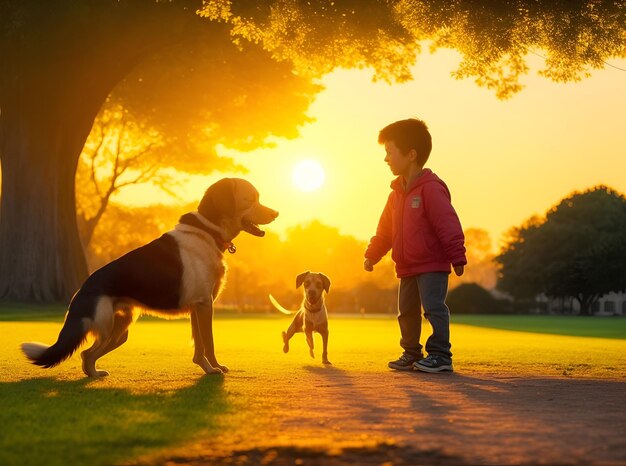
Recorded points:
471,298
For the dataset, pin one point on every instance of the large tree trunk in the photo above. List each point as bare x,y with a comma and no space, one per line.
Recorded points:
41,257
59,63
45,122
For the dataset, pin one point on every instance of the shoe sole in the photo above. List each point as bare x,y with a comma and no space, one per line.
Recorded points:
432,370
400,368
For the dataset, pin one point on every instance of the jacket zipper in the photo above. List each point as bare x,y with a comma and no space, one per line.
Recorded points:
403,204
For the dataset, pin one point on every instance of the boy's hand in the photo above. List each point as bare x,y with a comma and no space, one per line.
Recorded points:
458,270
368,266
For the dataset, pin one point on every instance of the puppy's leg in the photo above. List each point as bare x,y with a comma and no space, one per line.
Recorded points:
308,331
202,331
324,333
296,326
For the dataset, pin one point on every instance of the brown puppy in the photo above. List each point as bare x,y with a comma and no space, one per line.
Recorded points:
312,315
177,274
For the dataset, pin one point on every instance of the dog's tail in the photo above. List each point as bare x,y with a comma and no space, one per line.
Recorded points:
72,335
280,308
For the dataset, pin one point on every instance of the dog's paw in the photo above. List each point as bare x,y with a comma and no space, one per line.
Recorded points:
327,362
207,367
213,370
312,353
285,343
224,369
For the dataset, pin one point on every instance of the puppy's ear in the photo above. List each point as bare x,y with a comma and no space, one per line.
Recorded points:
326,282
218,200
300,279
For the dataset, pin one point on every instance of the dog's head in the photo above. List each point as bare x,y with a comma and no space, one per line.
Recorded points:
233,204
315,284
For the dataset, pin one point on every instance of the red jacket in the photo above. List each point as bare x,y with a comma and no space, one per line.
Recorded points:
420,226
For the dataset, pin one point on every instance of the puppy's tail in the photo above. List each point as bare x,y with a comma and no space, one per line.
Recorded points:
280,308
72,335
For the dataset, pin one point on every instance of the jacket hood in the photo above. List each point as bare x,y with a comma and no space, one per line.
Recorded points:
426,176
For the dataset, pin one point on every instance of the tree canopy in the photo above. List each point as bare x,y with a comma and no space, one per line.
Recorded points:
493,38
203,91
578,250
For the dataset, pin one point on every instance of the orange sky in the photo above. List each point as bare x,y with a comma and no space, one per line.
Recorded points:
503,160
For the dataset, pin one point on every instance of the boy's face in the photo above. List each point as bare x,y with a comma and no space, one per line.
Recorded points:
399,163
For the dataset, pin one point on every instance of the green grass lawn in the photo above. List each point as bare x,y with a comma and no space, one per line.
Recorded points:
600,327
155,399
31,313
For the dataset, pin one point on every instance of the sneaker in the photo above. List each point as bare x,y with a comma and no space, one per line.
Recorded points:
403,363
433,363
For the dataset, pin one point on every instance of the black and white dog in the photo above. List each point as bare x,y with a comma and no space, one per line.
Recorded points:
179,273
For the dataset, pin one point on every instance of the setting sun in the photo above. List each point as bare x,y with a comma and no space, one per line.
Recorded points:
308,176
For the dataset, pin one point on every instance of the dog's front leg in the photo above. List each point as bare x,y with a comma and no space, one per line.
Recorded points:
324,333
308,331
209,349
202,331
296,326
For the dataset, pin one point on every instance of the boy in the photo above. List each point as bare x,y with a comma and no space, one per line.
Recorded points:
423,231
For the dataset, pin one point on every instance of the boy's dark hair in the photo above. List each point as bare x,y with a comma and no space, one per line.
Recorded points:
409,134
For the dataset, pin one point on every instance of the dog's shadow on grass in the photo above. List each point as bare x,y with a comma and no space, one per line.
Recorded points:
46,421
324,369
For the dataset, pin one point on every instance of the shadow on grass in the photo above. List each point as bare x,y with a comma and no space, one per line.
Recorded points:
46,421
381,453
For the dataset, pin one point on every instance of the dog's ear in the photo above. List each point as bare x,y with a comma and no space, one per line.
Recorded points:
326,282
300,279
218,200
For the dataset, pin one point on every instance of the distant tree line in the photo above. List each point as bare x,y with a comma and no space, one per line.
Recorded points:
578,251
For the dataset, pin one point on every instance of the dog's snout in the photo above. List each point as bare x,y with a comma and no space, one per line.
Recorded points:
269,213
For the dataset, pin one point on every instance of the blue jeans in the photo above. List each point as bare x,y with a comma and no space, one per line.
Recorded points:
427,290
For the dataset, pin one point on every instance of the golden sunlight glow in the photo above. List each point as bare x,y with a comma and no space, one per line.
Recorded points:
503,161
308,176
